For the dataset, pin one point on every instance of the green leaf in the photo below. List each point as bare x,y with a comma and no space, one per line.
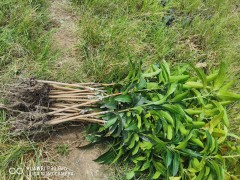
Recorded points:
136,148
166,71
123,98
130,175
201,75
139,121
173,79
199,96
145,166
176,162
150,75
169,132
190,84
226,87
142,83
132,143
159,167
176,109
211,77
106,158
152,85
221,76
168,158
228,96
110,122
174,178
120,153
180,97
214,122
132,127
223,110
146,145
190,153
171,89
156,175
139,158
111,104
167,116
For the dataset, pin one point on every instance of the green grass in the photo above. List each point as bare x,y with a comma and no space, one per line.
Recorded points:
16,152
25,50
24,39
62,149
112,32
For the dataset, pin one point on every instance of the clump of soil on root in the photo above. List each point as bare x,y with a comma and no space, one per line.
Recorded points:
33,105
27,103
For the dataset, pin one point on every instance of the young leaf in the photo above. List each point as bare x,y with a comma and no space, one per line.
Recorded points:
221,76
176,162
201,75
130,175
168,158
107,157
110,122
156,175
123,98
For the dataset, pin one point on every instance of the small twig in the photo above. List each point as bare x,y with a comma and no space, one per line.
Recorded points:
74,106
69,96
66,84
58,92
92,120
71,100
57,106
63,114
96,84
70,93
70,110
65,88
72,118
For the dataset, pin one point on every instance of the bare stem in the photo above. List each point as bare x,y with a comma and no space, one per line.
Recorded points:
74,106
69,96
66,84
72,118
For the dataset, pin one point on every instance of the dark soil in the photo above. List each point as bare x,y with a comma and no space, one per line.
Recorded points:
27,104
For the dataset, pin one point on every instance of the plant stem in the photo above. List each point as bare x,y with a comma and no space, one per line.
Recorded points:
74,117
74,106
66,84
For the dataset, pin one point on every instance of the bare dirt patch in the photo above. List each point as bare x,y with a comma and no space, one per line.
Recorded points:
79,161
65,35
64,41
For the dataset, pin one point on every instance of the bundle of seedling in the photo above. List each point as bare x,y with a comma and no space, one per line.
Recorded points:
36,104
167,124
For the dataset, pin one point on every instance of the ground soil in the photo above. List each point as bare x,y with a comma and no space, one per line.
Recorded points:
65,37
79,161
64,41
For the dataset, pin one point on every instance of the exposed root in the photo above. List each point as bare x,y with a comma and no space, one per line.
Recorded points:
34,104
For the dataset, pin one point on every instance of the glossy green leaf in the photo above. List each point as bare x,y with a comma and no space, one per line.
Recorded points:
130,175
123,98
110,122
221,76
176,162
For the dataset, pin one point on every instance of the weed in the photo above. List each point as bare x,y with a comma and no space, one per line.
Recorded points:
62,149
112,32
25,44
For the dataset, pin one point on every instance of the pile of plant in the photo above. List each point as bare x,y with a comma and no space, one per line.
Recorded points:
170,123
